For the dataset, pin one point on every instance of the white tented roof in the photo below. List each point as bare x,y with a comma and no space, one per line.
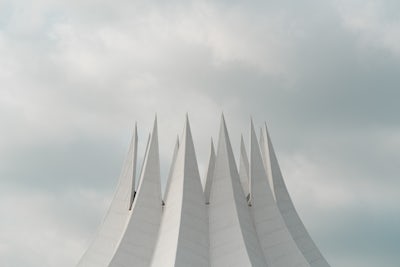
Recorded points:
237,217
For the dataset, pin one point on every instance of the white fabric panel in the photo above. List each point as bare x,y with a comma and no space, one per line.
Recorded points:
132,186
286,207
278,245
233,239
209,174
141,231
171,169
244,168
183,238
109,234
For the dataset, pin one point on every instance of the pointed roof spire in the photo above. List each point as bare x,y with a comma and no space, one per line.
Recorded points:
115,220
283,200
256,169
228,207
145,208
184,208
244,167
265,147
134,162
145,155
223,124
224,141
187,131
155,125
152,157
263,205
171,169
254,159
210,173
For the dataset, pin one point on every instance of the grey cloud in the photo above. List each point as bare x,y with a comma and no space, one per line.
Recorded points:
55,166
362,238
76,75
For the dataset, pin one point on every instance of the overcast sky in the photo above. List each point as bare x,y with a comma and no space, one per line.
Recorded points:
76,75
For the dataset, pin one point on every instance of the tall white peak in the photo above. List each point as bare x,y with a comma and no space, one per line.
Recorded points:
145,156
244,168
132,186
171,169
110,232
278,245
141,231
293,222
266,160
183,237
233,238
239,219
209,173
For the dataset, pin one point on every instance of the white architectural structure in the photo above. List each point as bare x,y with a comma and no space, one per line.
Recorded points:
238,218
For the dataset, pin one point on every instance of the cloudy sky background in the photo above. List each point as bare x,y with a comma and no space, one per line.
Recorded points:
76,75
